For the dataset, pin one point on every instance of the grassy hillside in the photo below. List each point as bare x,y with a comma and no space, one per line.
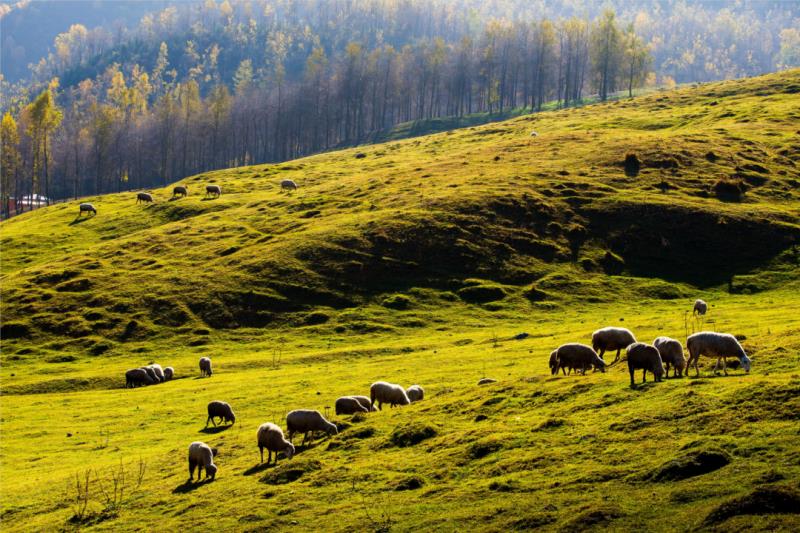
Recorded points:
418,261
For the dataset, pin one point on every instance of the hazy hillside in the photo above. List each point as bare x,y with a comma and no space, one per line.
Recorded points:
420,261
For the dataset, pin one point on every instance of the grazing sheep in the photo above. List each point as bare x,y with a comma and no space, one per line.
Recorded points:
288,184
158,371
213,190
180,190
646,357
574,356
221,410
415,393
719,345
201,455
534,134
384,392
611,338
700,307
86,208
271,437
306,421
347,405
151,373
169,372
144,197
671,353
554,363
137,377
365,403
205,366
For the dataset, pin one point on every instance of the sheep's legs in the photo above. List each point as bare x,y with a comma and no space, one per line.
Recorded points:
191,470
644,376
617,357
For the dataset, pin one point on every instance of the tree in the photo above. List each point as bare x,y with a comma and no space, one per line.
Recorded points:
606,53
10,162
637,59
44,117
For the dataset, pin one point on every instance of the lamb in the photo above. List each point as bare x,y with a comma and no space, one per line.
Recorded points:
365,403
201,455
646,357
168,373
221,410
205,366
144,197
180,190
271,437
719,345
671,353
415,393
213,190
347,405
307,421
151,373
611,338
700,307
288,184
137,377
86,208
384,392
578,357
158,371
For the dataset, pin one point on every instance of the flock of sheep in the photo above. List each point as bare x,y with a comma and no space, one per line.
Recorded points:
270,436
179,191
656,358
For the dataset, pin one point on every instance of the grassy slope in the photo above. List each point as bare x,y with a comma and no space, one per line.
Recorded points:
421,217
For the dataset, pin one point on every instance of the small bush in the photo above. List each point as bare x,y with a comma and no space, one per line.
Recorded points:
317,317
411,434
482,293
632,165
729,190
397,301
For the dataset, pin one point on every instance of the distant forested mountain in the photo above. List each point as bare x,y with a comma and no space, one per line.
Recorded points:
203,85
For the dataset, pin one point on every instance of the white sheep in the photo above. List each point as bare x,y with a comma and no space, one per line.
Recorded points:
221,410
365,403
205,366
645,357
288,185
201,455
347,405
671,354
151,373
700,307
307,421
415,393
719,345
213,190
159,372
271,437
137,377
169,372
384,392
86,208
611,338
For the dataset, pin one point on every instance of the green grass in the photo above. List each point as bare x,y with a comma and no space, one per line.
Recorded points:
418,263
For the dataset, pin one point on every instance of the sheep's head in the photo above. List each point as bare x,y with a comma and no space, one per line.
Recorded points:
231,417
333,430
289,450
554,362
746,362
211,471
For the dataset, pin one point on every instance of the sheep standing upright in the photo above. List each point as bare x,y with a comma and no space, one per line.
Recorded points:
86,208
137,377
213,191
221,410
201,456
347,405
645,357
144,197
671,353
288,185
271,437
700,307
415,393
611,338
205,366
307,421
180,190
719,345
384,392
574,356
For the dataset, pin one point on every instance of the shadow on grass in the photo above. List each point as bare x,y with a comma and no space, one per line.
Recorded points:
257,468
216,429
645,386
189,486
209,198
80,219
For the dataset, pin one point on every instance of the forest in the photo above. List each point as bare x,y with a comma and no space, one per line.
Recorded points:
203,86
